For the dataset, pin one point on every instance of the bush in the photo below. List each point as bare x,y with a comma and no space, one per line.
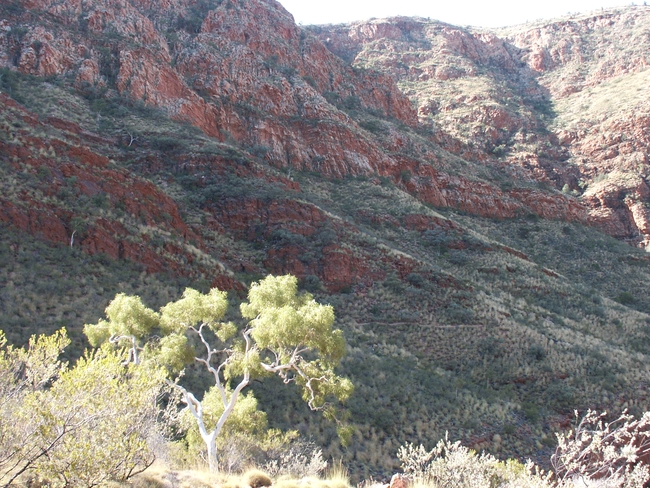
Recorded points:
256,479
300,459
312,283
283,238
393,283
373,126
597,453
606,453
625,298
416,280
352,102
537,352
531,411
436,237
452,465
75,426
167,144
560,394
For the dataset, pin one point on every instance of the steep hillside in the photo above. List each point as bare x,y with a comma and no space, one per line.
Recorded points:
150,145
559,102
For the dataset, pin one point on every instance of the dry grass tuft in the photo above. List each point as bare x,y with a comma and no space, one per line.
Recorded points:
256,478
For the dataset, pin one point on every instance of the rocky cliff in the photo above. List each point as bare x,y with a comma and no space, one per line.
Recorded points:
244,72
529,100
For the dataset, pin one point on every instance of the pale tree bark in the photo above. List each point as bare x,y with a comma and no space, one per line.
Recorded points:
134,350
196,408
288,371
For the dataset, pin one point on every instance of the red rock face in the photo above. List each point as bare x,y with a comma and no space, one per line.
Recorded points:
557,46
292,228
75,168
245,73
64,171
239,77
482,92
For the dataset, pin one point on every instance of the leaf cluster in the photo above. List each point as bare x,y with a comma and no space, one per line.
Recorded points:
283,320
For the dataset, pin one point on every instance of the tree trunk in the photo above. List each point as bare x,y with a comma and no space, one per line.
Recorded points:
211,443
212,454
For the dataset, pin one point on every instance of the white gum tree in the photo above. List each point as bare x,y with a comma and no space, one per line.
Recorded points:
288,334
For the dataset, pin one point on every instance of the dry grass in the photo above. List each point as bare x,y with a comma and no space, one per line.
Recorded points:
160,476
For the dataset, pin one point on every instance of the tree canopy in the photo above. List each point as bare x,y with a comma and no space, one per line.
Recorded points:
288,334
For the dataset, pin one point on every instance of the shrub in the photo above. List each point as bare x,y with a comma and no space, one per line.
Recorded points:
416,280
537,352
458,257
373,126
393,283
75,426
167,144
436,237
560,394
609,454
256,478
452,465
352,102
300,459
312,283
625,298
531,411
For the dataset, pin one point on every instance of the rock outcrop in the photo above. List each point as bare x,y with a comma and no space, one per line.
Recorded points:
457,118
244,71
514,100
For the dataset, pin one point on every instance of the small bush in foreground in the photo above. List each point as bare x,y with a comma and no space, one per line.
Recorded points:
75,426
299,460
613,454
450,464
256,478
597,454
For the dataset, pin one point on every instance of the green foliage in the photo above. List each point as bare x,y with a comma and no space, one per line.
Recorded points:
282,319
111,413
625,298
31,368
74,426
25,372
374,126
167,144
285,327
246,419
128,316
195,308
174,352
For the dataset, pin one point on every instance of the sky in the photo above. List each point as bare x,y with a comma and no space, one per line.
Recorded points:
478,13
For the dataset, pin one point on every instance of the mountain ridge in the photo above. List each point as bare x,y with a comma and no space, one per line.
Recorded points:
549,54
